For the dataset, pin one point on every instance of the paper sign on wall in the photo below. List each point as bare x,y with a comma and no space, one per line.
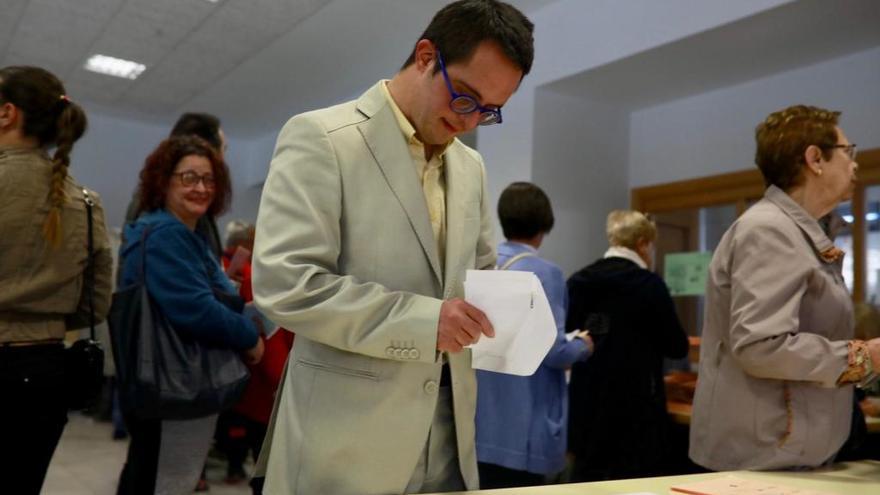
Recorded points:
685,273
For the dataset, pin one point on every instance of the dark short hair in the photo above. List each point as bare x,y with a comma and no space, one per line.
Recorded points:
160,165
783,138
524,211
203,125
458,28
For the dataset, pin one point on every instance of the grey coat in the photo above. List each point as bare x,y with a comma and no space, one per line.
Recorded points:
777,320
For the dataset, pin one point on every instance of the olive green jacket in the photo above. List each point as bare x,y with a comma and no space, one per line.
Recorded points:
42,290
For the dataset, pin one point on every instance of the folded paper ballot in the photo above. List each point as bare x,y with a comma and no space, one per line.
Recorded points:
518,309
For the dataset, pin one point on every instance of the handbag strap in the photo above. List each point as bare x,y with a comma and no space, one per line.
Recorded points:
90,265
142,271
511,261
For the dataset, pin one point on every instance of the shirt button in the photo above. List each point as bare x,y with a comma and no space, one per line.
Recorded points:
431,387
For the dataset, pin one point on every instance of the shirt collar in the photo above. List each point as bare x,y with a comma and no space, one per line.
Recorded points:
809,225
409,132
626,253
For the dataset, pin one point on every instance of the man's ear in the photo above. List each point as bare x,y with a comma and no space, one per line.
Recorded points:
425,55
813,159
9,114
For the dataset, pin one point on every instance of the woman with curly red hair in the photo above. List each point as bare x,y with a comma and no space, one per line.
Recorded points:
182,180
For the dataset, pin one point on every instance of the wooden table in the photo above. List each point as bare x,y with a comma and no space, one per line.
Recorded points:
846,478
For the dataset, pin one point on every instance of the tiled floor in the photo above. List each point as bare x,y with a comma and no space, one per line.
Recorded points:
87,462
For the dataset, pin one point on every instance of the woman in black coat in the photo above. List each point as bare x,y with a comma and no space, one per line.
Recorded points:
618,419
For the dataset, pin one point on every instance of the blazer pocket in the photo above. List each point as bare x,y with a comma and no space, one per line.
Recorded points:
329,368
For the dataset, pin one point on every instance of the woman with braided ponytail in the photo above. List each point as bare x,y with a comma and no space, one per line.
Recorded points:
43,257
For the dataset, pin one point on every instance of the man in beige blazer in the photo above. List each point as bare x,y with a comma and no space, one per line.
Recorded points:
370,215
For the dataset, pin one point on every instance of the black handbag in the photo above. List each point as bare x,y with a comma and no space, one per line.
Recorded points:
164,374
84,360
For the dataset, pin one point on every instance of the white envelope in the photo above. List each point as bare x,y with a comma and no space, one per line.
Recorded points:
517,307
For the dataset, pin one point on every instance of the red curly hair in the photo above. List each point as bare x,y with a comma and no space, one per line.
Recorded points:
160,165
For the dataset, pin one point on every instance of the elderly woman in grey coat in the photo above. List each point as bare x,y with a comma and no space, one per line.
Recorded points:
778,361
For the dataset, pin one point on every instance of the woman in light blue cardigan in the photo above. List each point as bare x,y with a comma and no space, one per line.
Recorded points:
522,420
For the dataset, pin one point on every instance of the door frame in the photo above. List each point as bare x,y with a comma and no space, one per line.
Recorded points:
745,186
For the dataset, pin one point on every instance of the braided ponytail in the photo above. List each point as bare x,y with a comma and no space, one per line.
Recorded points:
51,118
70,125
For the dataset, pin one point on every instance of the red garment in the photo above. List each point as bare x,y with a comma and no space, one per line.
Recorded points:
256,402
246,290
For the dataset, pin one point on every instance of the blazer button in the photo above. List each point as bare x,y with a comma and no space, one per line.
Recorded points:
414,354
431,387
397,353
389,351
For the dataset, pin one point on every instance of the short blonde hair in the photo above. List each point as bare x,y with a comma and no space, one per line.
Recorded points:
627,227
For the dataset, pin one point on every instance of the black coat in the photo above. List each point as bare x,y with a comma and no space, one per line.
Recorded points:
618,419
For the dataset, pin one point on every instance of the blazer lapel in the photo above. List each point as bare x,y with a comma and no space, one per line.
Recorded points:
386,143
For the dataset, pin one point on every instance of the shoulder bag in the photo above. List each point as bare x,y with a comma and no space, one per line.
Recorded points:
164,374
84,360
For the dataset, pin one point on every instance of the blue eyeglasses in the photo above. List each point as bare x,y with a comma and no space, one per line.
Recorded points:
464,104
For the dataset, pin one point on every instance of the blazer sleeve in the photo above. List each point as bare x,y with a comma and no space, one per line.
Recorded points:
297,281
768,280
178,280
486,254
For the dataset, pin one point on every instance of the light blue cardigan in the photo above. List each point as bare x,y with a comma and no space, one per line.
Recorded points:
522,421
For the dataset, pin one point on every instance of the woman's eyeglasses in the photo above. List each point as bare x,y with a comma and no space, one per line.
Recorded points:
191,179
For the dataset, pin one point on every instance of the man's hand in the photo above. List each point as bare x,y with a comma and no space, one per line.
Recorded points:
585,336
460,325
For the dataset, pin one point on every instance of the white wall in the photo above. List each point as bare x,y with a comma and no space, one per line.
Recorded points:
585,155
572,36
110,156
713,133
580,160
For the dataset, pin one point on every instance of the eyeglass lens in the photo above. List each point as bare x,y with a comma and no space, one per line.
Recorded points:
190,179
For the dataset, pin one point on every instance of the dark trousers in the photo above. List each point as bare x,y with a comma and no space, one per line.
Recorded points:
238,436
138,475
32,415
495,476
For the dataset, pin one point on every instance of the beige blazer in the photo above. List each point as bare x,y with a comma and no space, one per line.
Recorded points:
345,257
777,320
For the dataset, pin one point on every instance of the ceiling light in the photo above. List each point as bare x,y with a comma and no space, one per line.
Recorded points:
111,66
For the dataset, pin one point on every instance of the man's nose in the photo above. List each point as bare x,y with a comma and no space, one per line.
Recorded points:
470,121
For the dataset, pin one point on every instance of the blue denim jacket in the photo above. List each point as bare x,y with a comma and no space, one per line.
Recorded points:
522,420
